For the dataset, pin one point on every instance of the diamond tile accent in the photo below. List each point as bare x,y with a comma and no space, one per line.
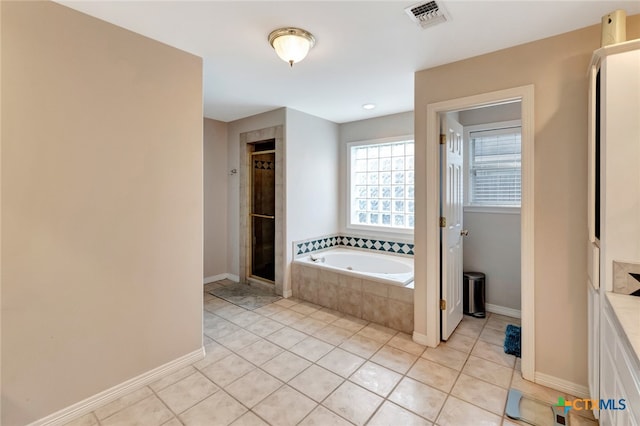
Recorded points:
322,243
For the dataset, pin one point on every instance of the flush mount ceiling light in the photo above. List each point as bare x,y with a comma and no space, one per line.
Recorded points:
369,106
291,44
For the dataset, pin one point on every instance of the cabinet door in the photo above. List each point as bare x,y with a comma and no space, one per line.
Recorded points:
594,343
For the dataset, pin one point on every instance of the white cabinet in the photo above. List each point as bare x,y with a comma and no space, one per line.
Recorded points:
619,374
613,218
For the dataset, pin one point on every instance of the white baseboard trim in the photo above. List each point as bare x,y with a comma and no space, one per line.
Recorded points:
562,385
502,310
420,339
86,406
214,278
287,293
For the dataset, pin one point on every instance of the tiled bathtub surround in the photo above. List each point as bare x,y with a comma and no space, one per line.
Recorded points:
384,304
330,241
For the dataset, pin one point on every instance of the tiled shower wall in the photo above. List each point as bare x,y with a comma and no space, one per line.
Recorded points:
384,304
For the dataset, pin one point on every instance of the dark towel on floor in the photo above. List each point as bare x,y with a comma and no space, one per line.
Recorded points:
512,340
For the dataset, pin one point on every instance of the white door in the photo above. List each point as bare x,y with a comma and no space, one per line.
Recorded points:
451,202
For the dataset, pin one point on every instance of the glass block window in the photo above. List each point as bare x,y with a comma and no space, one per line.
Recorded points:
495,167
382,184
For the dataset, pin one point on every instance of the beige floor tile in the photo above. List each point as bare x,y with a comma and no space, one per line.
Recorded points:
459,413
470,328
311,348
488,371
519,364
149,412
350,323
460,342
394,359
249,419
287,317
264,327
493,336
376,378
506,421
229,311
213,352
475,391
187,392
316,382
218,409
238,340
286,366
87,420
588,414
173,422
500,322
320,416
353,403
361,345
269,310
305,308
206,340
390,414
227,370
326,315
308,325
284,407
419,398
173,378
217,327
432,374
405,343
286,303
540,393
493,353
447,356
286,337
341,362
378,332
246,318
253,387
211,305
260,352
122,402
332,334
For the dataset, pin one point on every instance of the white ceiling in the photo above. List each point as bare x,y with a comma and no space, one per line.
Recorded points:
366,51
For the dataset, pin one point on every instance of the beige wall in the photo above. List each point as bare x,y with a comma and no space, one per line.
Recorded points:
216,177
101,207
557,67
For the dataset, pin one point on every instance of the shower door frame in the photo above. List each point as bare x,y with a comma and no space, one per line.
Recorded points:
275,133
252,215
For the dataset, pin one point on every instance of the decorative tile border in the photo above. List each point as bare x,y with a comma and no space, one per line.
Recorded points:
352,241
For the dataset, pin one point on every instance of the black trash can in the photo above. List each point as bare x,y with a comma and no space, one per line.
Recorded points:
473,294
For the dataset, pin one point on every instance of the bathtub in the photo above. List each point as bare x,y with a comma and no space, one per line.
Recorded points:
383,268
372,286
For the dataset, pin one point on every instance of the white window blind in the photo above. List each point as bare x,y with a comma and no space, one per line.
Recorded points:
495,167
382,185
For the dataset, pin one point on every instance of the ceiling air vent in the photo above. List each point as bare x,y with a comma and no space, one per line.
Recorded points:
427,14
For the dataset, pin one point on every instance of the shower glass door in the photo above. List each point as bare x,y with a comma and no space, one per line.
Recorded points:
263,210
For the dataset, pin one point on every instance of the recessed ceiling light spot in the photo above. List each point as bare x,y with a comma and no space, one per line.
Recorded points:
369,106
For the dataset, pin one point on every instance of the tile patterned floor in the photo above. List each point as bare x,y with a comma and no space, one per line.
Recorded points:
295,363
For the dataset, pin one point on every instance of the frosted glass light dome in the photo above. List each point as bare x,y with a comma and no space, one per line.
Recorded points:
291,44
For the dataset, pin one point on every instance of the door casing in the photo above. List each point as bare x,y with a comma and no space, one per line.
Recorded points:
427,280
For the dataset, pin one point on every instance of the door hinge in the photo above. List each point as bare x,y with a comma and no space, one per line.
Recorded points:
443,138
443,305
443,222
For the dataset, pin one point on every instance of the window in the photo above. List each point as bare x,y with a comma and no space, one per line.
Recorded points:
494,167
382,184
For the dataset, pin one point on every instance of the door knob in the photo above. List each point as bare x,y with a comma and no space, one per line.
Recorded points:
464,232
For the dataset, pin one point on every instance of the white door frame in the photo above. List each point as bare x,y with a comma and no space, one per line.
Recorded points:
525,95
